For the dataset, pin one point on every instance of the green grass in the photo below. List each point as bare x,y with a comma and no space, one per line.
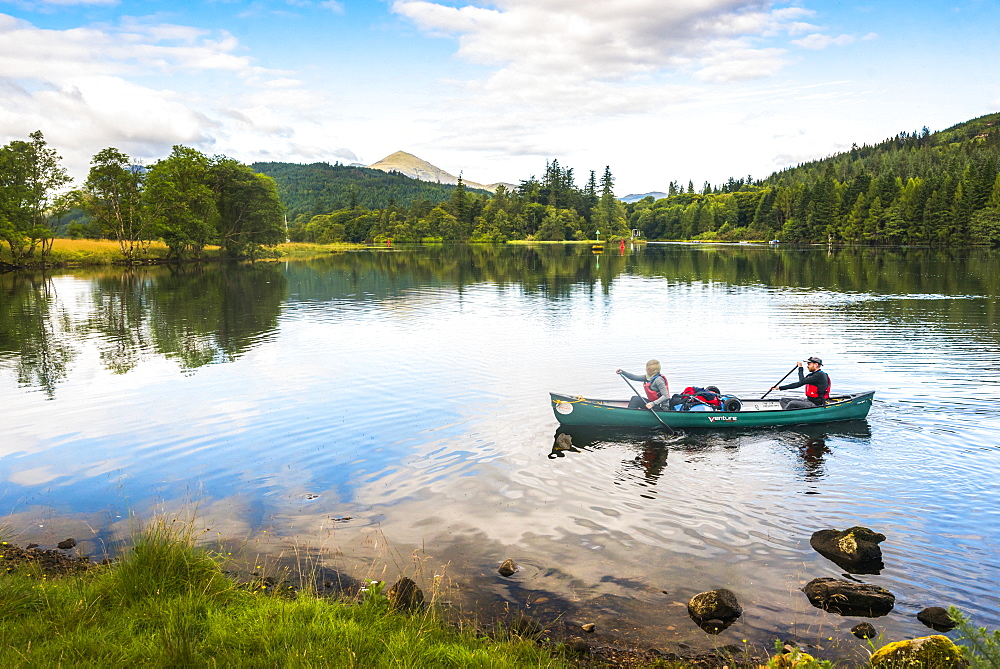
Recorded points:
91,252
166,603
982,646
304,250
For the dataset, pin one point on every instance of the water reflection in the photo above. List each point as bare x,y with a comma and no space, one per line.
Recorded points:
37,332
200,315
293,434
194,314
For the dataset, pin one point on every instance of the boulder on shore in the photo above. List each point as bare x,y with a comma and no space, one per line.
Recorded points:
937,619
849,598
927,651
714,610
855,550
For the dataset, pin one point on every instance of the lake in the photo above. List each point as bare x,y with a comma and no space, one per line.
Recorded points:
385,411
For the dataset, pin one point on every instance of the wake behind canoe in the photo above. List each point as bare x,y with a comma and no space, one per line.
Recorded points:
575,410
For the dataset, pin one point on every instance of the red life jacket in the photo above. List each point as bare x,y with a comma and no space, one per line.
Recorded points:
651,394
813,391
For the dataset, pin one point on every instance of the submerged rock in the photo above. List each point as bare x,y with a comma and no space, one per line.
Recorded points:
522,625
927,651
577,646
937,619
864,631
855,550
792,660
404,594
507,568
66,544
715,610
849,598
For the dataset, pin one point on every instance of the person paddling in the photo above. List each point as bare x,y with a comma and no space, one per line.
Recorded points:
655,385
817,383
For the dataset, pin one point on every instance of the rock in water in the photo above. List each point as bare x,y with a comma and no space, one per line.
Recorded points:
405,595
927,651
856,549
507,568
849,598
937,619
714,610
522,625
66,544
864,631
793,660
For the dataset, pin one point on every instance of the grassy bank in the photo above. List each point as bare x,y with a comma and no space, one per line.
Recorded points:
166,603
92,253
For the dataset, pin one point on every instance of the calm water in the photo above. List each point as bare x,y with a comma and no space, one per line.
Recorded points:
390,407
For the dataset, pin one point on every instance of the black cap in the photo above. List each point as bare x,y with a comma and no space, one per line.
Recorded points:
815,359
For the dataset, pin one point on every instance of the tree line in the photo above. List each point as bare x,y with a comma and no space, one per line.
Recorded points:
188,200
550,208
918,188
914,188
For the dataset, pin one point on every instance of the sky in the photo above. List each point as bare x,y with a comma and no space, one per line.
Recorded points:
657,90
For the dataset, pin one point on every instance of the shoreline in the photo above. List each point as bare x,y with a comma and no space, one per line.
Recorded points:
55,565
85,254
561,639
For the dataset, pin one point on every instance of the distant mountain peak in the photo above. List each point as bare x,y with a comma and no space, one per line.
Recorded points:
635,197
417,168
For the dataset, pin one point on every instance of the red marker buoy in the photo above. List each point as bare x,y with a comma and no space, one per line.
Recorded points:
621,246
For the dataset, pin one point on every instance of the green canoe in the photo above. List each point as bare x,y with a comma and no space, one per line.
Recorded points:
575,410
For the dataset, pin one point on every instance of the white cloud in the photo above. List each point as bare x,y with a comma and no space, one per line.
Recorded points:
48,5
611,41
143,86
333,6
818,41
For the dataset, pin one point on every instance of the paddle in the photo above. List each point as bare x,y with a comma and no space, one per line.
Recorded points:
778,383
655,415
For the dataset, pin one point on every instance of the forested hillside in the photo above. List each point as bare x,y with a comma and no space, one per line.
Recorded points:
550,209
320,188
919,188
922,188
915,188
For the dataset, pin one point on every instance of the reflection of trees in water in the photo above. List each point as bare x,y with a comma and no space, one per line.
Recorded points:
37,332
195,314
204,315
120,307
557,271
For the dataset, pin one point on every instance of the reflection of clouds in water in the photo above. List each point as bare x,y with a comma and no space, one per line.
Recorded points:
35,476
423,418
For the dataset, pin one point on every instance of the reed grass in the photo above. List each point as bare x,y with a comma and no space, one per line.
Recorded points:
981,646
167,603
94,252
304,250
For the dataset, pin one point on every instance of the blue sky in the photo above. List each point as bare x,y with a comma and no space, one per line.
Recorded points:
659,90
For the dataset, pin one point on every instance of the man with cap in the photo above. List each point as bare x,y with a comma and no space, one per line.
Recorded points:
817,383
